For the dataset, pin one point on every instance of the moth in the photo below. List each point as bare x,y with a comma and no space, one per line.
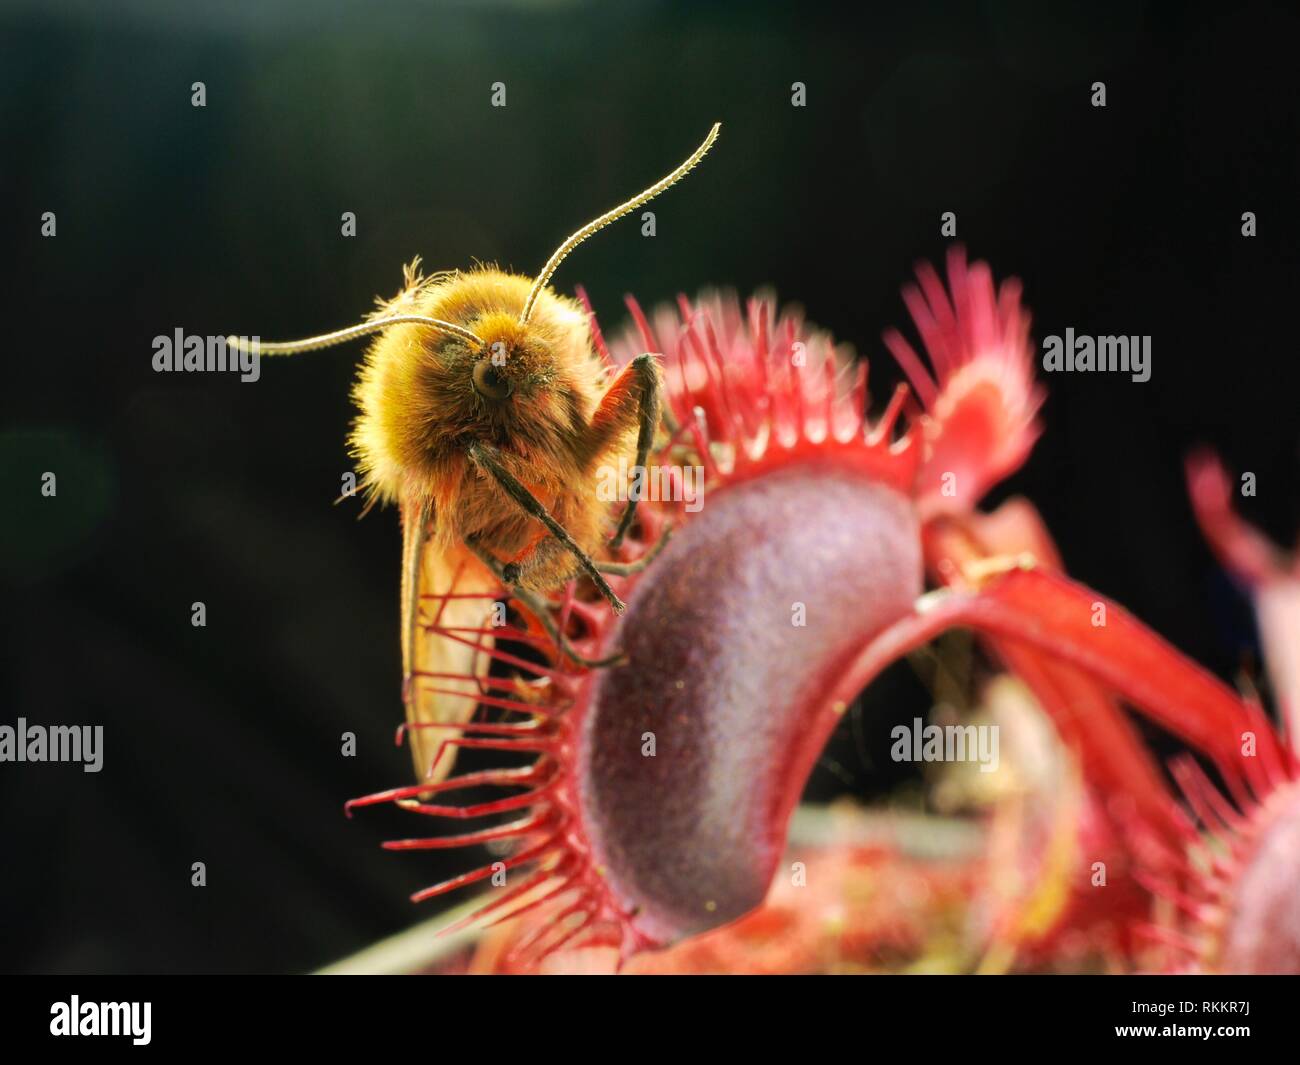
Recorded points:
485,413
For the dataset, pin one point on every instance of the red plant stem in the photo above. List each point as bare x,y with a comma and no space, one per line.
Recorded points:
1086,715
1113,756
1054,614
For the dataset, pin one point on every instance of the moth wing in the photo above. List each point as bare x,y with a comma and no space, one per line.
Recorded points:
447,605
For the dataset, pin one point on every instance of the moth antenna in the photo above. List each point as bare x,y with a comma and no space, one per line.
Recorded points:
342,336
544,277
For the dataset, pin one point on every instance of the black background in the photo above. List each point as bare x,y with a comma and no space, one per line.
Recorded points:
222,743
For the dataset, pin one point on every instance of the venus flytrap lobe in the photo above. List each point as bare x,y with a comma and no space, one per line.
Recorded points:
806,492
620,850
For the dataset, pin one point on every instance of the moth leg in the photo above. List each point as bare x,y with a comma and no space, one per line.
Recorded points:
541,611
624,569
633,398
488,459
542,564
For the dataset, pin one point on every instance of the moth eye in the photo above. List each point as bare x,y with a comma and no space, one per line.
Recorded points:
490,382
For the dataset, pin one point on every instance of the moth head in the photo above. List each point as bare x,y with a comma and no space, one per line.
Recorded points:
513,364
511,391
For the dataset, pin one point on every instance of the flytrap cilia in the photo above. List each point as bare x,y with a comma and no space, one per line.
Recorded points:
485,414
